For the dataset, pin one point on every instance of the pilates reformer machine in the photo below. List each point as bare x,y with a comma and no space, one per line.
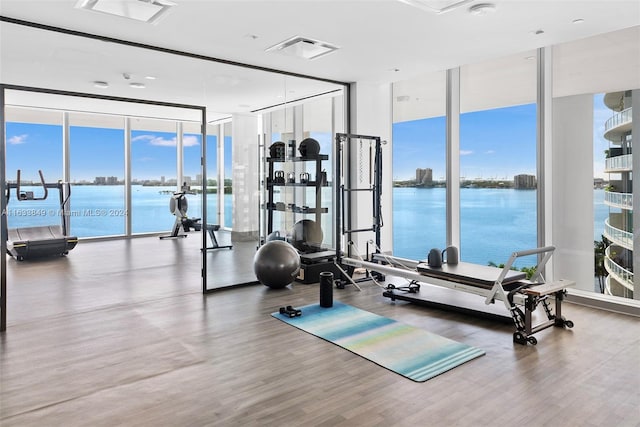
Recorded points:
521,296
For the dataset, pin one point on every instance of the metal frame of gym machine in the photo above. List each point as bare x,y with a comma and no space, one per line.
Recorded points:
46,244
343,143
528,294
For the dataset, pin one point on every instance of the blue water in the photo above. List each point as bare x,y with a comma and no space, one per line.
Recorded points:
98,210
600,213
494,222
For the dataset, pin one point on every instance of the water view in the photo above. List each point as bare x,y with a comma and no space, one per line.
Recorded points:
494,222
98,210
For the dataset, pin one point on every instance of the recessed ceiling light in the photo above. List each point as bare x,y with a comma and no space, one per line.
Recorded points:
150,77
100,84
149,11
577,21
481,9
137,85
303,47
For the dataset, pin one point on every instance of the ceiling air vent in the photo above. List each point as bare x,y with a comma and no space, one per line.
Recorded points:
149,11
303,48
436,6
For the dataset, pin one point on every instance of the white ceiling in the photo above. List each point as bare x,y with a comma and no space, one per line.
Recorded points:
380,41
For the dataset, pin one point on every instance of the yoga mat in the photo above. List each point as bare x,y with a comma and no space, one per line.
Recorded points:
409,351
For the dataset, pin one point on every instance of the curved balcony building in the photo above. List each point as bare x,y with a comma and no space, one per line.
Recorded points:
618,228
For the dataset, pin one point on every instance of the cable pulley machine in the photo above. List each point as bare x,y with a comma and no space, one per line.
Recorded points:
348,189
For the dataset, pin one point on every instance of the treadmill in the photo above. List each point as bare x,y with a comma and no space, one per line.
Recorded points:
39,241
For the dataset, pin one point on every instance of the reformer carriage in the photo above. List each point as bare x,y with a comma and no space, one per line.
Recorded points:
520,296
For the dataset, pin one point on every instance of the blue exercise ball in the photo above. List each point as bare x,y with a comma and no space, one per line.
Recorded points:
276,264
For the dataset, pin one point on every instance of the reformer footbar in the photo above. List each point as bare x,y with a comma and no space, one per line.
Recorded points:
520,296
534,291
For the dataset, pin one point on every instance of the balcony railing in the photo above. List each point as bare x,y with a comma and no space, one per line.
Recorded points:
617,236
607,286
618,119
626,293
619,200
622,275
622,163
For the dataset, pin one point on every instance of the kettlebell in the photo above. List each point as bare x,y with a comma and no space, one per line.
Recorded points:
451,255
434,259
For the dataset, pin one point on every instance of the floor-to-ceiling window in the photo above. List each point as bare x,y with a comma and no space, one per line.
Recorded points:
497,162
498,176
191,173
419,166
95,158
96,151
153,171
31,148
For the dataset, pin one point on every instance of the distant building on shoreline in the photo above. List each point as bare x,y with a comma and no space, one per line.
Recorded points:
106,180
524,182
424,176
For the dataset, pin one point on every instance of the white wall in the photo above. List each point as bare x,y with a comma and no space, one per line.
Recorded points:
572,222
371,115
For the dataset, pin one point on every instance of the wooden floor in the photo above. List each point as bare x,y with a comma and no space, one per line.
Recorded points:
119,333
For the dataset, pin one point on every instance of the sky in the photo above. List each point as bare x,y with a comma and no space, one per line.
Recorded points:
100,152
494,144
601,113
